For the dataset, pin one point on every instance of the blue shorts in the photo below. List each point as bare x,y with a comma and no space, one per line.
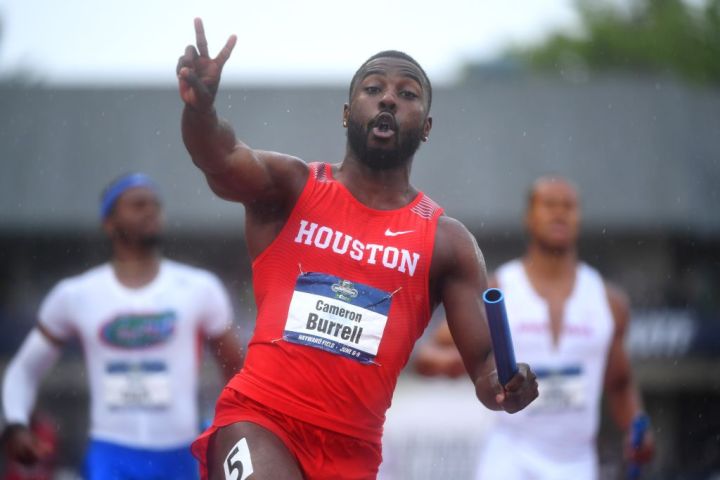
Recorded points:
109,461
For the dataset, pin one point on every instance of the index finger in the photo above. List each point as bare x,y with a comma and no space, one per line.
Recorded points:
200,39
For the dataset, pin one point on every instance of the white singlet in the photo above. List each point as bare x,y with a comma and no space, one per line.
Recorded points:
554,437
142,348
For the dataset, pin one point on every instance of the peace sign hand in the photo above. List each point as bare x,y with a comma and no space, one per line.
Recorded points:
198,74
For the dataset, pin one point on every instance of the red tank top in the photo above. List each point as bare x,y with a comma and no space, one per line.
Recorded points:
342,295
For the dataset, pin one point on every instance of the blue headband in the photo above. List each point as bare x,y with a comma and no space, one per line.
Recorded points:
120,186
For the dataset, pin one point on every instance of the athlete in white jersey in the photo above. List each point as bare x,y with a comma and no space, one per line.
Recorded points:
555,437
139,319
570,324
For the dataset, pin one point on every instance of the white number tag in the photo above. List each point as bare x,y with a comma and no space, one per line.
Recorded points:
237,464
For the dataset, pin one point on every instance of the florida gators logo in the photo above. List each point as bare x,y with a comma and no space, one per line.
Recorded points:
134,330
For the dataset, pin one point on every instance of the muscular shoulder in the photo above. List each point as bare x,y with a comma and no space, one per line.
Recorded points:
261,180
455,248
285,167
289,173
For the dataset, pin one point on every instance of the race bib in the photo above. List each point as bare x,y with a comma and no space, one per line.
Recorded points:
338,316
129,385
560,389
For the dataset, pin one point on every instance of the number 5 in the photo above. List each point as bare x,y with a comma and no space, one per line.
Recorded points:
237,463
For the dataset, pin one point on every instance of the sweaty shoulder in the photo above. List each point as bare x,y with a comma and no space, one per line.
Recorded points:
288,175
258,177
452,238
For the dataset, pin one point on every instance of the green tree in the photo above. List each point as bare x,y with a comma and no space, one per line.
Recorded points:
668,36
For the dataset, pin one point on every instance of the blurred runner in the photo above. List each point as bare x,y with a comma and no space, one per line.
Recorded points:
570,325
140,319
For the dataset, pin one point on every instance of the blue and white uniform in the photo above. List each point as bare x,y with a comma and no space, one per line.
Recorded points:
142,353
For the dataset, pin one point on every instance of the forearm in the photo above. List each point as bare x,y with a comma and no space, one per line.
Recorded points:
22,377
624,402
209,140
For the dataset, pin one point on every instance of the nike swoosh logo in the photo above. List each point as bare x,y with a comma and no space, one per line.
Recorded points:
390,233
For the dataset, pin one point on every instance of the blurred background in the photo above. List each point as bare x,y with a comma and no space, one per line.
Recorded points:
622,97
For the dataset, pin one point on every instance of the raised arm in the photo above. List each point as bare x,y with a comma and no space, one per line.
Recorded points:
459,280
262,181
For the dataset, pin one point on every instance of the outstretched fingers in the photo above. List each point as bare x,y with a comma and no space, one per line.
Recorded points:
200,39
202,45
224,54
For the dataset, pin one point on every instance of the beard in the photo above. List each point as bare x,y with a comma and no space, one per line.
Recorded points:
143,240
399,154
150,241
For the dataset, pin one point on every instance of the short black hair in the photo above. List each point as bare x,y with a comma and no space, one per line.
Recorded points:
392,54
551,178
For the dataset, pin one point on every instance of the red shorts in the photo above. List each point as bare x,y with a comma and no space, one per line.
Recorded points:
321,453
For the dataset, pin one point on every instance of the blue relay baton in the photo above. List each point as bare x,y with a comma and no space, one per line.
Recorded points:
500,334
638,428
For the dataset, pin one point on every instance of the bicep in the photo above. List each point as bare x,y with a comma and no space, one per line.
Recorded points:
258,177
463,283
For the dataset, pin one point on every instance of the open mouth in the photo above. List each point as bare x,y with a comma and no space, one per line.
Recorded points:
384,125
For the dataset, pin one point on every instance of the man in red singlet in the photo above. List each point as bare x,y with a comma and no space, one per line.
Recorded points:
349,261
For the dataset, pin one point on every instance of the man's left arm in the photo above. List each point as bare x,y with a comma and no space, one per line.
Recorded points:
622,395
